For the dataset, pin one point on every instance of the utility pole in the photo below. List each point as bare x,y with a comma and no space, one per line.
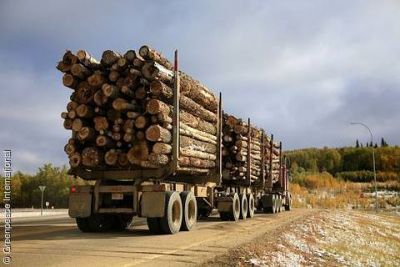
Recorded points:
373,160
42,188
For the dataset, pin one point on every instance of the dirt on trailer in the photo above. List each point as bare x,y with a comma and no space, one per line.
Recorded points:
325,238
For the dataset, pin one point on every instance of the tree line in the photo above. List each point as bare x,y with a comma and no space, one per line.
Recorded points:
25,192
348,163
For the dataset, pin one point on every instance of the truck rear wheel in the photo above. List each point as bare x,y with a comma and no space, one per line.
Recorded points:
121,222
172,220
189,203
235,213
274,204
251,208
243,206
83,224
95,223
154,225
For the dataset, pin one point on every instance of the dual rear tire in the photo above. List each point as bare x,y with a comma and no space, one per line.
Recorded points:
180,214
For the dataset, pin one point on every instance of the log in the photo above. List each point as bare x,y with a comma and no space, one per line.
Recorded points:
99,98
193,144
113,76
86,59
84,94
86,133
197,123
148,53
84,111
190,106
110,91
132,115
109,57
199,135
141,122
121,104
70,148
162,148
104,141
158,159
198,93
100,123
91,157
80,71
130,55
77,124
197,154
67,61
68,124
70,81
129,137
154,71
97,79
71,114
158,88
155,106
196,162
111,157
139,152
75,159
156,133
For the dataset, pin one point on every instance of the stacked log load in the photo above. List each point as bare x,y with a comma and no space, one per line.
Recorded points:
273,157
262,164
120,113
236,134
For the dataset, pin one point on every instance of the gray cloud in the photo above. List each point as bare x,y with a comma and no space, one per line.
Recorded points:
301,70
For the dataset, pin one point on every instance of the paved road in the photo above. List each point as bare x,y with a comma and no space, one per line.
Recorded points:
56,241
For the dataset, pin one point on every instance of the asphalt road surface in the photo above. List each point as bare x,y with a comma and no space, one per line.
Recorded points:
56,241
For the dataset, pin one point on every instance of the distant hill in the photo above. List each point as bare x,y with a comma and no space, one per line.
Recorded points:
348,163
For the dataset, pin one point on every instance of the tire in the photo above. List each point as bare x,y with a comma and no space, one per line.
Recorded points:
83,225
100,222
251,208
121,222
154,225
235,212
224,216
203,213
244,206
189,204
172,220
288,207
273,204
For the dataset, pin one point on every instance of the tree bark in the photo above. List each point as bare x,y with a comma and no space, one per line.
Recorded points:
91,157
156,133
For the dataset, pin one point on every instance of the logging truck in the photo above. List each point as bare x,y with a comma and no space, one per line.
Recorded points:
221,163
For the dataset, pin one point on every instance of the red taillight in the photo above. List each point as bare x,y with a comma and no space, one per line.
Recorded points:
73,189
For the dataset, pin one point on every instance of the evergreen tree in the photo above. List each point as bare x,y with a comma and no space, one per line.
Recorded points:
357,144
371,144
376,145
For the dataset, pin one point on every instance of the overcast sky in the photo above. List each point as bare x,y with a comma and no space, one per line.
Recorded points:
299,69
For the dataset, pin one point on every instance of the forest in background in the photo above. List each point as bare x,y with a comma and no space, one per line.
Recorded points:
25,192
347,163
343,177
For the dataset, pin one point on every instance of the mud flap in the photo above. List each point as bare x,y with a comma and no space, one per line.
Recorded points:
80,205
